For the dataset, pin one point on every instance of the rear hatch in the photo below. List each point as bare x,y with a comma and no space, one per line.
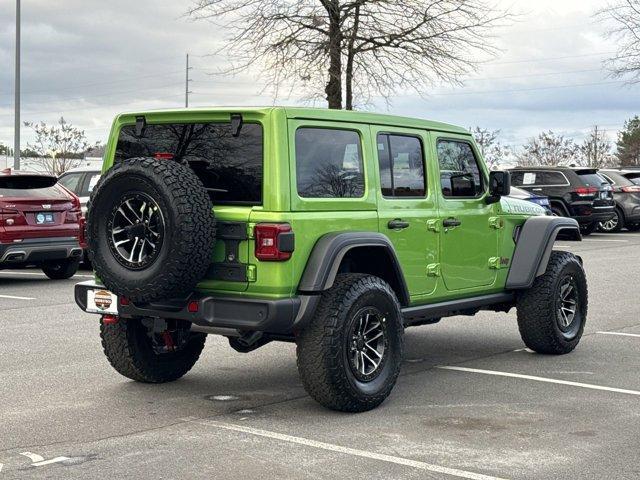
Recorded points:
32,206
230,164
594,187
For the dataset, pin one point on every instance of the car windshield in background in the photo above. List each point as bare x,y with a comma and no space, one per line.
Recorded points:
592,179
230,167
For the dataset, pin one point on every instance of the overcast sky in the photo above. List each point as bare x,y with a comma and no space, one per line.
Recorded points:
89,59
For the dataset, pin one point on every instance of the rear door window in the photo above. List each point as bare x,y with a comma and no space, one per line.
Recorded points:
328,163
231,168
89,183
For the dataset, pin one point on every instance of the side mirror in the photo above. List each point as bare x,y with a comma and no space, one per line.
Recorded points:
499,185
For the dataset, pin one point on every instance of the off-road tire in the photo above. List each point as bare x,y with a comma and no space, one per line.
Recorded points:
537,307
128,348
61,269
322,346
189,233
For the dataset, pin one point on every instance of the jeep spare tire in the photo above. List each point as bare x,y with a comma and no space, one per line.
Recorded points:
151,231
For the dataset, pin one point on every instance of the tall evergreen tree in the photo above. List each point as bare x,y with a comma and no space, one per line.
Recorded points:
629,143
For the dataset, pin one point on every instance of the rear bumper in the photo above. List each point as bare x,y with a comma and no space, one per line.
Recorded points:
281,316
596,214
37,250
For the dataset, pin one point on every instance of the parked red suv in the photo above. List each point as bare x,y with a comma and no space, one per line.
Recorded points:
41,224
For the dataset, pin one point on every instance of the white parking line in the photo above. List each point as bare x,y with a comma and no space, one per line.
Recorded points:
603,240
620,333
33,456
49,462
15,297
10,272
348,451
541,379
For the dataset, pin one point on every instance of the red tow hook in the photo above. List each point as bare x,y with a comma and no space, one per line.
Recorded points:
110,319
168,341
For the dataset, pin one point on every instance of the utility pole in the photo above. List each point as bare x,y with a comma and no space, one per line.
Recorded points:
16,132
186,84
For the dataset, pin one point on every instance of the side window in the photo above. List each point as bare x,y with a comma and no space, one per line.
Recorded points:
516,178
554,178
90,184
401,162
71,181
460,174
329,163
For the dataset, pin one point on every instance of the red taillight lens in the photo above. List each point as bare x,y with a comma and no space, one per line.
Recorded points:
274,241
631,189
82,237
193,306
586,191
163,156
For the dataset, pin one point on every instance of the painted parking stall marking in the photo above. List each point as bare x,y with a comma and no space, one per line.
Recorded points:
15,297
346,450
621,334
39,461
541,379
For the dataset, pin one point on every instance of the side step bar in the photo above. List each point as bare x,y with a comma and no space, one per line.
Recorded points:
431,313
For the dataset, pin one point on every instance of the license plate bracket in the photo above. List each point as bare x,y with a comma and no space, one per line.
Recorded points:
102,301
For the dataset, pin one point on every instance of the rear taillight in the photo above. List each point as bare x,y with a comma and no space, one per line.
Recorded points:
9,217
586,191
631,189
274,241
82,236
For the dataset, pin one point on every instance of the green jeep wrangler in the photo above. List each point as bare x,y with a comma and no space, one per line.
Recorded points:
331,229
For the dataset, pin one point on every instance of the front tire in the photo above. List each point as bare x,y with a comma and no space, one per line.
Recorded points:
61,269
553,312
349,357
137,353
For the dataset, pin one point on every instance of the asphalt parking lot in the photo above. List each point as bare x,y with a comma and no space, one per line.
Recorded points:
470,402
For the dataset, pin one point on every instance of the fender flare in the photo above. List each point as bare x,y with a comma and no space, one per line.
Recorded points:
328,252
533,249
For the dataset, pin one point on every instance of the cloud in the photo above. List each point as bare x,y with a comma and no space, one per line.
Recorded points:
89,60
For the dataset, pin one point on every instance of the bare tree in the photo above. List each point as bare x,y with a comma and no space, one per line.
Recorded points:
492,150
624,16
366,48
595,151
58,147
548,149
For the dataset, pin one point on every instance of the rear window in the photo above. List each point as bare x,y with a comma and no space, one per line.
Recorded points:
27,186
231,168
592,179
634,177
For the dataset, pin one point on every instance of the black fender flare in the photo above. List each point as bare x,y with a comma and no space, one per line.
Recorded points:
533,248
328,252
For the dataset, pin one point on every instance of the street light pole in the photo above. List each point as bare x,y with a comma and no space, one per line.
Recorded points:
186,84
16,133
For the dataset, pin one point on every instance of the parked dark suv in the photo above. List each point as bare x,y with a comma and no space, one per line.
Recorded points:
580,193
627,196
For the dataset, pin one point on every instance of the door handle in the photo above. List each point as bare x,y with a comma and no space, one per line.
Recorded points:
397,224
451,222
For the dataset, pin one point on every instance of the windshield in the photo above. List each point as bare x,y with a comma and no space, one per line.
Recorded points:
230,167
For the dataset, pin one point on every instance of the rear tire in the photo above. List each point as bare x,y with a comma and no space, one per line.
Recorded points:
61,269
358,320
633,227
544,311
613,225
131,351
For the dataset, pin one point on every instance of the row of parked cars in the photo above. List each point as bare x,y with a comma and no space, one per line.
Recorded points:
606,199
42,220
